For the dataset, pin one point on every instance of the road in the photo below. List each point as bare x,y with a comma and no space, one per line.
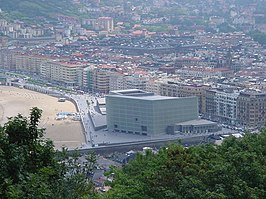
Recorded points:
84,108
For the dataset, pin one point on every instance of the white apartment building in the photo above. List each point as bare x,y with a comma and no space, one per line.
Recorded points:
136,82
117,81
66,73
29,63
153,86
221,105
106,23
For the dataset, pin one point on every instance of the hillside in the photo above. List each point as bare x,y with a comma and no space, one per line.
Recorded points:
29,10
234,170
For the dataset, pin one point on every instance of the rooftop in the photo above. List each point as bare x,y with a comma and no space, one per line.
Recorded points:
139,94
131,92
196,122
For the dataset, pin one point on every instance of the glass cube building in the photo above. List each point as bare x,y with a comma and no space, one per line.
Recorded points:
138,112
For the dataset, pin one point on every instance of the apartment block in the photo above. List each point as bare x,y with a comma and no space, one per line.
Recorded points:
101,80
178,89
7,60
67,73
106,23
221,105
252,108
29,63
136,81
152,85
3,42
87,80
96,78
117,81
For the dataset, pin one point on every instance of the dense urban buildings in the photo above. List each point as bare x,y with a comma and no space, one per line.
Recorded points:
145,45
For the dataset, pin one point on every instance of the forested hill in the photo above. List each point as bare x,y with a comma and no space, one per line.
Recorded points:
30,9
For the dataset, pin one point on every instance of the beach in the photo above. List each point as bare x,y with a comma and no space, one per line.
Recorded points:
66,132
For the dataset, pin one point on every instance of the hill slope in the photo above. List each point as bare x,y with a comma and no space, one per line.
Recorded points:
30,9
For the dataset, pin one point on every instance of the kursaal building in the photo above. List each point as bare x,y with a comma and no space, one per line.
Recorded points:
138,112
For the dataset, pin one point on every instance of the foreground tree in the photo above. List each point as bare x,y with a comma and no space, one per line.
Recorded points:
31,168
234,170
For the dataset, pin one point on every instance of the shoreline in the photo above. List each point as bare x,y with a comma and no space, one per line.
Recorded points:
67,132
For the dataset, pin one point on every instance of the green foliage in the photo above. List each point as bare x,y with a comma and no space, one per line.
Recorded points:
234,170
31,168
156,28
111,3
28,10
259,37
225,27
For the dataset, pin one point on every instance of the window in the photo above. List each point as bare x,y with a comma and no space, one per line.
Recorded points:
115,126
144,128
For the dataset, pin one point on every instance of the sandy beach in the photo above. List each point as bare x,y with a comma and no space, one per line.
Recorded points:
65,132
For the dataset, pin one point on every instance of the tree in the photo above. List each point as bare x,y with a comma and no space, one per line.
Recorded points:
236,169
259,37
31,168
30,10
